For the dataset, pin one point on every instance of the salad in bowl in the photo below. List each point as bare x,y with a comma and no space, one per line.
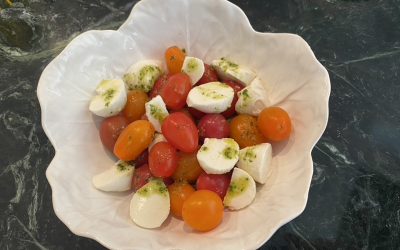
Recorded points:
183,129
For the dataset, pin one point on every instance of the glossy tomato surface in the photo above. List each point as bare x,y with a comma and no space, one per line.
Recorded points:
203,210
275,124
163,160
213,126
188,168
217,183
134,107
174,58
210,75
133,140
175,91
110,129
236,88
245,132
140,177
178,193
181,132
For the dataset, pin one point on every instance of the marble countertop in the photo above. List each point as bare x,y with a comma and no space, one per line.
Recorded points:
354,200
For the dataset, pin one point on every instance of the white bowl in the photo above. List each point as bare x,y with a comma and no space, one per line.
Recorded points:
208,29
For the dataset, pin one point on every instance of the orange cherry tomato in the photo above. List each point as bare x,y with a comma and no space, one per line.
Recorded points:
178,193
188,168
245,132
174,58
274,123
134,107
133,140
203,210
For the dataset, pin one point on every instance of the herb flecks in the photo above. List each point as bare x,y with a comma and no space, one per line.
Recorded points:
108,96
157,113
226,65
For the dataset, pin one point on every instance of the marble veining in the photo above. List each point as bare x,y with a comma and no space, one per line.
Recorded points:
354,200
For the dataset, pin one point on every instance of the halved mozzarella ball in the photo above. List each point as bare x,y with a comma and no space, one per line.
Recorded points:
156,111
142,75
252,99
212,97
194,68
150,205
241,191
218,156
117,178
110,98
256,160
228,70
158,137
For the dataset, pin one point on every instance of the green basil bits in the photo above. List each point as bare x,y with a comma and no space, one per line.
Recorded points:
154,186
157,113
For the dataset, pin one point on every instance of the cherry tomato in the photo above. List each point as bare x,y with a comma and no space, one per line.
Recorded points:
188,169
168,181
203,210
210,75
245,132
142,159
196,113
134,107
133,140
217,183
176,90
110,129
174,57
159,85
274,123
236,88
178,193
162,159
213,126
181,132
186,112
140,177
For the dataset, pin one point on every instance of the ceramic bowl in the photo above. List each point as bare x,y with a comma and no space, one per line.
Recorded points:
207,29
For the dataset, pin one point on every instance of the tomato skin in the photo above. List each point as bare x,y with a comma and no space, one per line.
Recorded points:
175,91
217,183
196,113
134,107
163,160
210,75
181,132
203,210
174,58
159,85
213,126
244,130
133,140
142,159
188,168
110,129
274,123
178,193
140,177
236,88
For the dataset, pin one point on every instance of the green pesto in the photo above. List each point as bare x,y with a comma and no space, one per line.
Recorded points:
123,166
192,65
249,155
246,97
147,77
236,187
229,152
108,96
210,93
157,113
154,186
130,80
226,65
204,149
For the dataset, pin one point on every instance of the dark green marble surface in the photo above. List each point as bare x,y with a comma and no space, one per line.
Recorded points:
354,200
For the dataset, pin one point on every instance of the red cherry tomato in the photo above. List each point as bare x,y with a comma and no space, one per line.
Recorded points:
217,183
196,113
213,126
236,88
181,132
140,177
210,75
163,159
175,91
110,129
159,85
